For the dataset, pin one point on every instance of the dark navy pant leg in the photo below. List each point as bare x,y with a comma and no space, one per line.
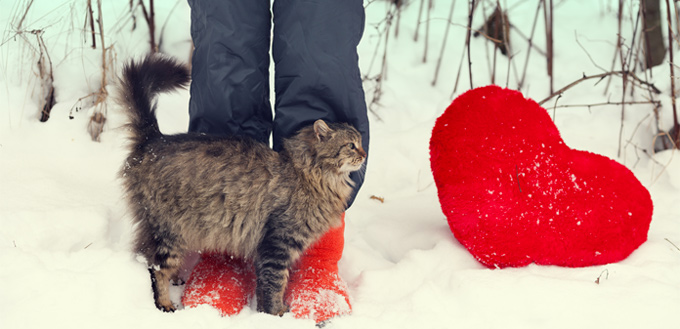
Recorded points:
230,68
317,73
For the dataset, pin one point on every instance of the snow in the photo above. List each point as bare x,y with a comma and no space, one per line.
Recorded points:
65,230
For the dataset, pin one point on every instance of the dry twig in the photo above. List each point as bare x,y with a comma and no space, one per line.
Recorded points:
382,75
149,17
673,244
167,19
606,276
90,17
420,14
96,124
676,125
377,198
601,76
548,16
466,47
44,62
467,40
446,37
655,103
427,30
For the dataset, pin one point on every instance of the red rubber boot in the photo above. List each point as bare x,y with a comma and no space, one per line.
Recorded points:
315,290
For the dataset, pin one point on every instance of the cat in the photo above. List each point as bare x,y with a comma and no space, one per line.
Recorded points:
195,192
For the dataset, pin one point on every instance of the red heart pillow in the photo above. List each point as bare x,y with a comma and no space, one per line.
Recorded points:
515,194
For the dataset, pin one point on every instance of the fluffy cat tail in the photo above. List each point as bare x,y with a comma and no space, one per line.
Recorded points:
140,83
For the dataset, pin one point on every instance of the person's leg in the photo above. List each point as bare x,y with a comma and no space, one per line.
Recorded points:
230,68
317,74
229,96
315,290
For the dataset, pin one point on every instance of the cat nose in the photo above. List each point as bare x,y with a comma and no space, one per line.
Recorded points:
361,152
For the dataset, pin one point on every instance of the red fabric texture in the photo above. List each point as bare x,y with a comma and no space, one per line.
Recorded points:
514,193
220,281
315,290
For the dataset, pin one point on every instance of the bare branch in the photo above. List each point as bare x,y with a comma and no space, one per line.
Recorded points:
91,19
548,15
167,19
467,40
441,52
149,17
656,103
19,25
420,14
600,76
587,53
96,124
427,30
669,241
466,47
676,125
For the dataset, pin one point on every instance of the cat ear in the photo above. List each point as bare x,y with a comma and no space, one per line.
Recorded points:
321,129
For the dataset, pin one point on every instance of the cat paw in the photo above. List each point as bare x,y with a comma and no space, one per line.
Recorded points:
282,311
274,309
166,307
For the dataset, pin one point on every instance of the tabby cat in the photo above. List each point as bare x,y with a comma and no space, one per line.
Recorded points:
193,192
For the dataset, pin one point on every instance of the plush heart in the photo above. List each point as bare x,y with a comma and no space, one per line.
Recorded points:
515,194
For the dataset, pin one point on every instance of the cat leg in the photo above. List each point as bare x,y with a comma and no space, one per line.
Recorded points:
277,251
161,274
164,256
271,282
160,283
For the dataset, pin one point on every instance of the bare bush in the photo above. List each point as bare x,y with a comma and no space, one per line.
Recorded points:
98,118
33,38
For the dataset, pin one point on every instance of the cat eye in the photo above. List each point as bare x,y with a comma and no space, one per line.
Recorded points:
351,146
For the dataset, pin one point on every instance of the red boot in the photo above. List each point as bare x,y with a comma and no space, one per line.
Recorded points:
315,290
221,281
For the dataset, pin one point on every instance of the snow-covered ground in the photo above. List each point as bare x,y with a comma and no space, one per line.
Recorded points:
65,258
